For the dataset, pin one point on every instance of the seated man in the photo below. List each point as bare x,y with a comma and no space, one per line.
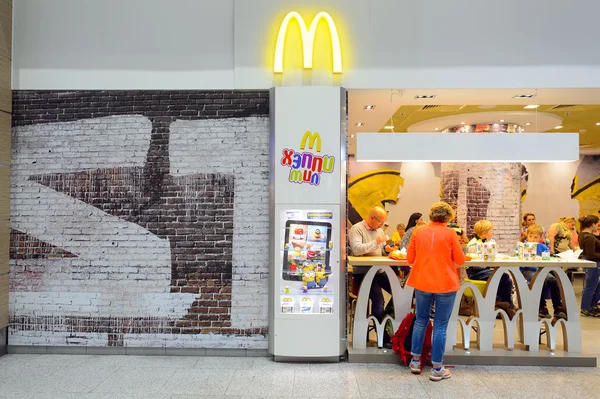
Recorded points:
535,233
367,239
483,232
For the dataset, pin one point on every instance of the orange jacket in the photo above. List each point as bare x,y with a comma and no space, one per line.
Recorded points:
434,253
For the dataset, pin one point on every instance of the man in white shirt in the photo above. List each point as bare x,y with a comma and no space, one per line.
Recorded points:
368,239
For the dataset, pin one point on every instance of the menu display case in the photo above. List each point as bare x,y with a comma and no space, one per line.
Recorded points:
307,278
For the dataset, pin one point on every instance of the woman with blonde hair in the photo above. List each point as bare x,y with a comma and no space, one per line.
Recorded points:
434,253
560,235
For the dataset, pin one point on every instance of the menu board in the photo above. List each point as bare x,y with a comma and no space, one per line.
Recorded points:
306,274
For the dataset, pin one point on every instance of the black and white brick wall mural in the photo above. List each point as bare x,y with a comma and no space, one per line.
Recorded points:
139,218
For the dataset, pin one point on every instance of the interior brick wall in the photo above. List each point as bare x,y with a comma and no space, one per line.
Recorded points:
486,191
139,218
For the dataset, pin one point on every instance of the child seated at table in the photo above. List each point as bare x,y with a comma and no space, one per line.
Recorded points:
535,234
483,232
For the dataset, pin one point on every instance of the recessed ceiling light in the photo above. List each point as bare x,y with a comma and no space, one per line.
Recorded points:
597,123
522,130
359,124
424,97
351,136
388,127
524,96
437,128
369,107
531,106
501,120
462,123
558,127
527,123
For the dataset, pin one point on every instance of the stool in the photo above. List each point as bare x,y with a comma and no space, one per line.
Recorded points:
480,284
468,293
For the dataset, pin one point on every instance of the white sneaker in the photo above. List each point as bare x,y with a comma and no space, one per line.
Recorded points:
415,366
440,374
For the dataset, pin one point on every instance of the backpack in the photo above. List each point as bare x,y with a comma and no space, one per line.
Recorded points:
402,341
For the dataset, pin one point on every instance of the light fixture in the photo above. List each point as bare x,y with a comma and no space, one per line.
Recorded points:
466,147
359,124
351,136
501,120
462,123
597,123
389,127
524,96
558,127
424,97
527,123
369,107
532,106
437,128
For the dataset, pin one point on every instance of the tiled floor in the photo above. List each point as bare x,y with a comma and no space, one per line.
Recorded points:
79,376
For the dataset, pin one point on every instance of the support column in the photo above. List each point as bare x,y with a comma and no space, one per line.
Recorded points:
5,129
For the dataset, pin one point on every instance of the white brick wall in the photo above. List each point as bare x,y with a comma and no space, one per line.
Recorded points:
122,269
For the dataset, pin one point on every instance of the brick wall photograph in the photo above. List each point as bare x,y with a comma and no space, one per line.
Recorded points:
139,218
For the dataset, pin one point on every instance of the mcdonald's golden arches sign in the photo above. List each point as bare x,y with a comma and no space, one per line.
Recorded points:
308,41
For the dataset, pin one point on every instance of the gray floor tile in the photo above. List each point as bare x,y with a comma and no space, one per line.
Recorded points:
328,384
139,380
389,384
143,361
270,364
276,384
459,386
20,379
80,379
16,359
198,381
60,360
231,363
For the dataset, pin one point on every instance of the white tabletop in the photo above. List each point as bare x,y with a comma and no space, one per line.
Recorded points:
499,262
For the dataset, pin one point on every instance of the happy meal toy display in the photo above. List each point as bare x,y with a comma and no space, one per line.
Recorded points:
326,305
489,250
287,305
306,305
530,251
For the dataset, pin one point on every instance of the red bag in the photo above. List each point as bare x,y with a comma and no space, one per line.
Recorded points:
402,341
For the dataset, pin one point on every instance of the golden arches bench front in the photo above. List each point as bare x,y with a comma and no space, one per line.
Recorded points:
525,323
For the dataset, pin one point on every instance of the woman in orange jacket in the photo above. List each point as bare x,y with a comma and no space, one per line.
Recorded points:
434,253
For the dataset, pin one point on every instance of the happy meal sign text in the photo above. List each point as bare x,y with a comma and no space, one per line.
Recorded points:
306,167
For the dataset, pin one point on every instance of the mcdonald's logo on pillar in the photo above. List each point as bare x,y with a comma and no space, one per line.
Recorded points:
308,41
306,166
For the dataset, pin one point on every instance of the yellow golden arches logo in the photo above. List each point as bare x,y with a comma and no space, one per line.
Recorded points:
308,41
312,138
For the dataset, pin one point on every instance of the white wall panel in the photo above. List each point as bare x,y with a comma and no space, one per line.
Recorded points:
123,44
69,44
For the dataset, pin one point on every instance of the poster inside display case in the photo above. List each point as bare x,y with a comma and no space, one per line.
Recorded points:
306,274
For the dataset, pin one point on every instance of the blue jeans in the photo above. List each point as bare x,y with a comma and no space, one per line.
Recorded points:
444,303
592,287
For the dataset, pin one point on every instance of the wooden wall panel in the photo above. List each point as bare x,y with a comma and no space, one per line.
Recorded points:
5,88
5,30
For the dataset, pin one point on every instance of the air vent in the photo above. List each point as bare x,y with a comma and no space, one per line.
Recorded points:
564,106
440,108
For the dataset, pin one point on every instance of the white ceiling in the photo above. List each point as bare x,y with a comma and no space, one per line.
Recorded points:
387,102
